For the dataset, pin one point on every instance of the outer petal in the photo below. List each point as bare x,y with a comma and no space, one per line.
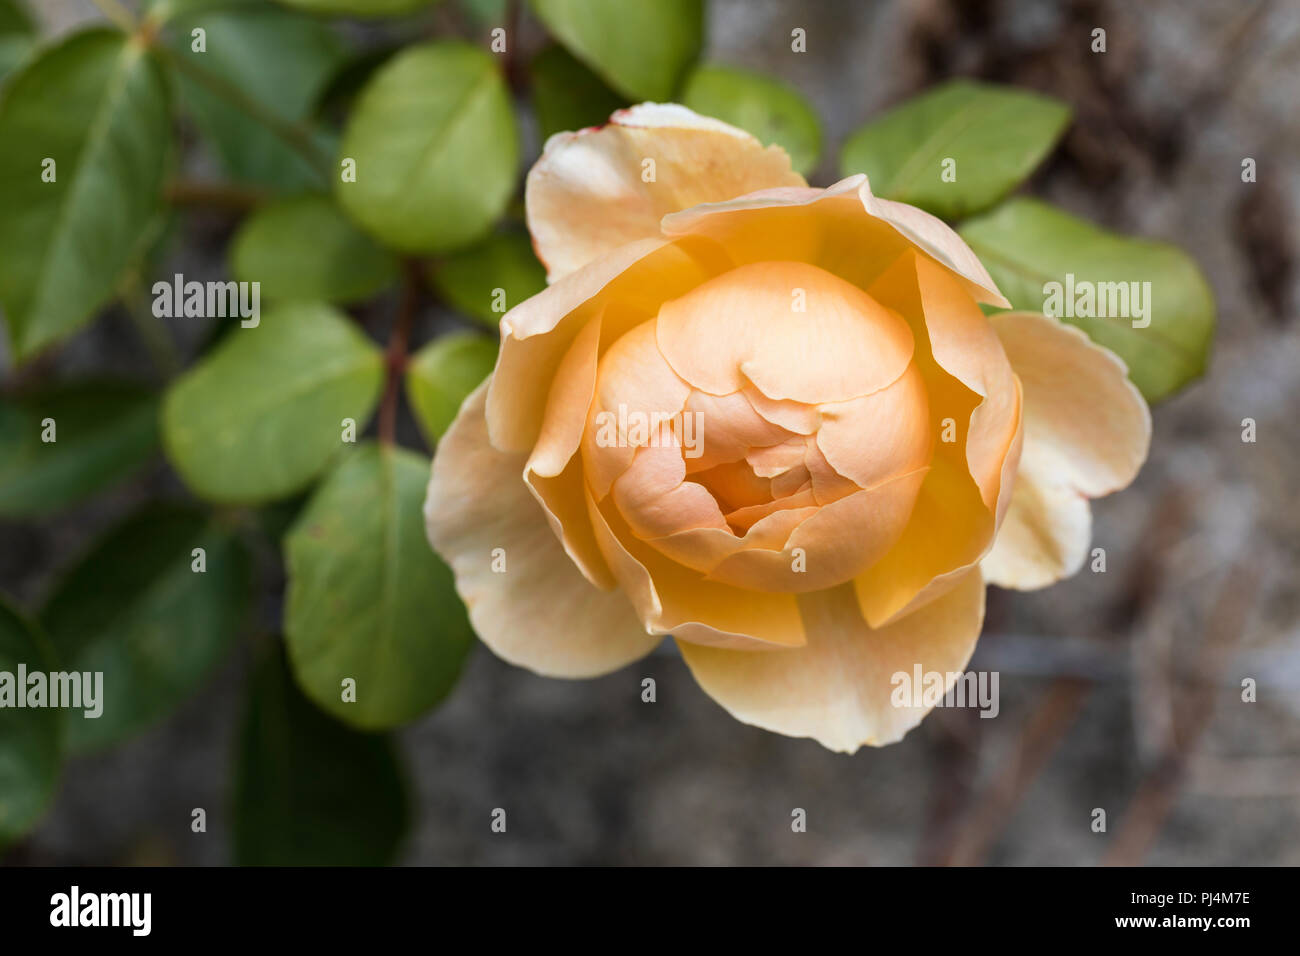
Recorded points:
836,238
968,488
623,289
541,613
587,194
1087,431
837,689
937,239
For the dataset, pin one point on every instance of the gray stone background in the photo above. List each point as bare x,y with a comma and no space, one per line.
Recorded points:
1118,690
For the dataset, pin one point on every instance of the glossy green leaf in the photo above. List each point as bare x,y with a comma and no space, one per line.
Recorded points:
303,248
1026,244
163,11
773,111
491,278
262,415
102,432
442,373
310,791
136,610
485,12
995,136
17,37
95,105
281,61
641,50
358,8
567,95
368,600
436,151
30,738
14,18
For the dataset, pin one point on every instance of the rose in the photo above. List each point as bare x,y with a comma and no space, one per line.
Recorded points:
870,447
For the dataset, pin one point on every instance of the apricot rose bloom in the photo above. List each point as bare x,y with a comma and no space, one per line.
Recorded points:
769,420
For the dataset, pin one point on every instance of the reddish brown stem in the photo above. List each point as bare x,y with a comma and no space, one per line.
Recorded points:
216,195
396,354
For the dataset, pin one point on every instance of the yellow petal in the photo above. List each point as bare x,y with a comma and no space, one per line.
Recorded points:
623,289
541,613
937,239
1087,432
589,194
963,342
655,498
838,688
1045,534
837,541
831,228
553,472
671,598
874,437
635,386
795,331
974,398
729,427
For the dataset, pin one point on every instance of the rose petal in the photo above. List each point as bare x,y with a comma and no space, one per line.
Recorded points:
1087,432
874,437
838,541
635,388
671,598
743,327
588,194
838,688
1046,533
963,343
779,224
535,335
937,239
655,498
729,427
976,400
541,613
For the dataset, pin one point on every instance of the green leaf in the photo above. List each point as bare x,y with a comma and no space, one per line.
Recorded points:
94,104
1026,244
262,415
30,744
640,49
163,11
996,135
773,111
102,432
368,600
310,791
567,95
137,611
303,248
280,60
433,137
358,8
485,12
470,280
442,373
17,37
14,18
